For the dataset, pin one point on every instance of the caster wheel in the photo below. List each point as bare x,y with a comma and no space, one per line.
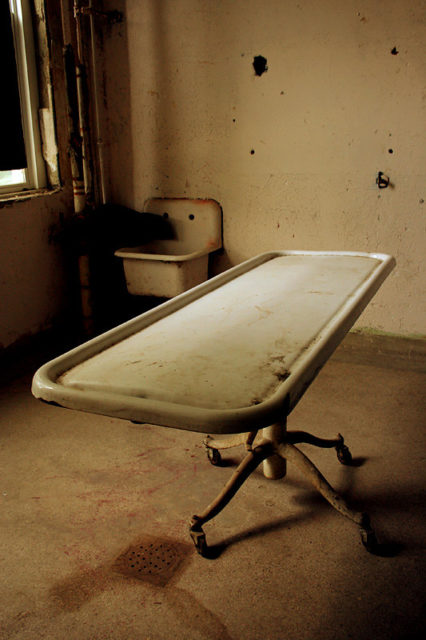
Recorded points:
214,456
368,537
344,456
199,540
369,540
201,546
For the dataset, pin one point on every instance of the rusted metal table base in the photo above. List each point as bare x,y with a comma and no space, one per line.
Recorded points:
274,451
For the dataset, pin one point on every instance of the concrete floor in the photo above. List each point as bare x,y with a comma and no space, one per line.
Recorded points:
78,490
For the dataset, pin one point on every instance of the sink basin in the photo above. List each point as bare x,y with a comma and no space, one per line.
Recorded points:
168,266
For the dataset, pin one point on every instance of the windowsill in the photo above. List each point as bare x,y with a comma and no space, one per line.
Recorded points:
28,194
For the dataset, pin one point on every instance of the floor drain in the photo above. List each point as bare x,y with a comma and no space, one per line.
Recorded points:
152,559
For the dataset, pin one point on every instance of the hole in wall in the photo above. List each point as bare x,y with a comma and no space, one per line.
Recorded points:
394,51
252,152
390,150
260,65
191,216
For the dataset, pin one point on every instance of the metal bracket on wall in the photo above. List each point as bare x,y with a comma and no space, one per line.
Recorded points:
382,181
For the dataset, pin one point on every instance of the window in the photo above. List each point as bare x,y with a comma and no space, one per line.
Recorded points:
21,162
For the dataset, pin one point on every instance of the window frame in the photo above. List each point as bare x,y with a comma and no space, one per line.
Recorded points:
23,37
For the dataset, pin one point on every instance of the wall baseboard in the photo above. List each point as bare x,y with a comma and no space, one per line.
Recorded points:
383,350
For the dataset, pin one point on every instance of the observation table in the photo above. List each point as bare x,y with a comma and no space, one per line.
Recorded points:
231,356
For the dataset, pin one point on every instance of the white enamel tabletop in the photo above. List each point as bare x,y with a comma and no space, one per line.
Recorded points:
234,346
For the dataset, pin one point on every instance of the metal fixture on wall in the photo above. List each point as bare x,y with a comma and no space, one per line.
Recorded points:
382,181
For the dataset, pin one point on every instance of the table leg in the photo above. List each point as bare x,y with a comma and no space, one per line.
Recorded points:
275,466
292,453
245,468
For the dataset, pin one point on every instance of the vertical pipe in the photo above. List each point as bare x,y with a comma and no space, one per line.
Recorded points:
99,140
78,156
73,131
81,97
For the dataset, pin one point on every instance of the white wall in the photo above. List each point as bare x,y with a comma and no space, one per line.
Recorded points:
185,110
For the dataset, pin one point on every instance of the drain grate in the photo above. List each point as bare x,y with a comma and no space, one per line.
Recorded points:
152,560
